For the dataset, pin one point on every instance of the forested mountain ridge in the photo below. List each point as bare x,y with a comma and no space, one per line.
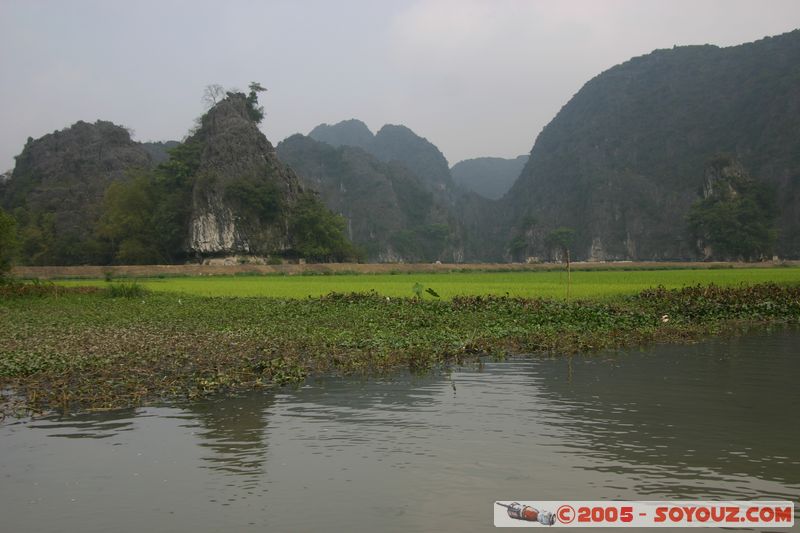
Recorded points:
391,143
57,187
392,215
431,227
625,159
89,194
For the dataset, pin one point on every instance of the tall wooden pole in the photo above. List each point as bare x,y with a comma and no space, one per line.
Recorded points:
569,274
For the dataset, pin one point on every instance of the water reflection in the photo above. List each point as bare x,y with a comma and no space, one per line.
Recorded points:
681,419
234,431
96,425
333,414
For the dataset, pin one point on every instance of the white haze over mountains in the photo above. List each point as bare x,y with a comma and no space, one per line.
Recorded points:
475,77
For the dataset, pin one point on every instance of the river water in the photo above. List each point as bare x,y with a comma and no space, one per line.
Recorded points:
714,420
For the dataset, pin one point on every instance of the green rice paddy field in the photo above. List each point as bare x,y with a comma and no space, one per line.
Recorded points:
546,284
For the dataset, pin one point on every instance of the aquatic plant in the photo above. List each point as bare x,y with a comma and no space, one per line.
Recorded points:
66,348
126,290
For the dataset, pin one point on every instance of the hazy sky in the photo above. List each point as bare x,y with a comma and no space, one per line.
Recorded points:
474,77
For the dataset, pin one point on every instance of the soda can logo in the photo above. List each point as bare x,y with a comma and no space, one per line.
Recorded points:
527,513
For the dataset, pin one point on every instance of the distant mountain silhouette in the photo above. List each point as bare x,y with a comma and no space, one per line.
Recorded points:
392,214
391,143
491,177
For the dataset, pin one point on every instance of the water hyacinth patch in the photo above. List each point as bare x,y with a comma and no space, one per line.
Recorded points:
73,349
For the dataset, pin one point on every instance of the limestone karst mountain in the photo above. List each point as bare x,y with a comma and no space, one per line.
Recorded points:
392,214
89,194
57,186
392,143
623,164
242,194
625,159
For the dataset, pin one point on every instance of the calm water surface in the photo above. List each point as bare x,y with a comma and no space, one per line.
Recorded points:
714,420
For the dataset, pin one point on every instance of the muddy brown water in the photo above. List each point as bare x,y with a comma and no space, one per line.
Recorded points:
714,420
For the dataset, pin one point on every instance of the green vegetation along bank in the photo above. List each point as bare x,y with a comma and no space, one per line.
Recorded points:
83,347
530,284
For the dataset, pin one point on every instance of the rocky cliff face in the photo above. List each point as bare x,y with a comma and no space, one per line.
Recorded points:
721,182
735,219
624,159
242,193
57,185
723,179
